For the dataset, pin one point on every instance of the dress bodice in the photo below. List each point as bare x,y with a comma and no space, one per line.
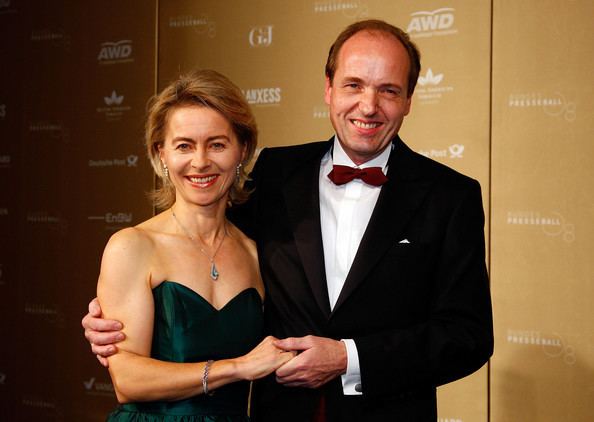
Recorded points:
187,328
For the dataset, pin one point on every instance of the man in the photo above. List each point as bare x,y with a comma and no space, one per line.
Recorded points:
379,282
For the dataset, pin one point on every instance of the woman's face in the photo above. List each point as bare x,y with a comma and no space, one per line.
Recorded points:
202,154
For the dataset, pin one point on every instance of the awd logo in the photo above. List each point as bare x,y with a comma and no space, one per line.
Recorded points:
263,96
261,36
115,52
428,24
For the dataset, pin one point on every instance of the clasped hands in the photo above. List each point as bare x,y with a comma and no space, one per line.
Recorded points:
318,360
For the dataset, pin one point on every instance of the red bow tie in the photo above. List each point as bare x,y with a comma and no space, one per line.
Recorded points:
371,175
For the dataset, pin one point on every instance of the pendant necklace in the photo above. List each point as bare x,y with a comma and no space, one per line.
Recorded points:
214,273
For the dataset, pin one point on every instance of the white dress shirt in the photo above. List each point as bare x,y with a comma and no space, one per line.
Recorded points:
345,211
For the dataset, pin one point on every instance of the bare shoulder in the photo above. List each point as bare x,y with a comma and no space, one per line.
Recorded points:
130,241
248,244
128,252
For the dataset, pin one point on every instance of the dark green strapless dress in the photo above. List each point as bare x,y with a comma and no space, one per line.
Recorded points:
188,329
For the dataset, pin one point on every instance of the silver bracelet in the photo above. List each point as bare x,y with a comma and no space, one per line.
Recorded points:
205,377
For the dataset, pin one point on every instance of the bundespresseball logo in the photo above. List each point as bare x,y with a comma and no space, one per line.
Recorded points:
348,8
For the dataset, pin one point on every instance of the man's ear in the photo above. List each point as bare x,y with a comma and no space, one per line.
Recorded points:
327,90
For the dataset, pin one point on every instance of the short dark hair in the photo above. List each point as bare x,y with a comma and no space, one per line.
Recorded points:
376,25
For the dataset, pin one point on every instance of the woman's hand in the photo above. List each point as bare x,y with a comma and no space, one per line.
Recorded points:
263,360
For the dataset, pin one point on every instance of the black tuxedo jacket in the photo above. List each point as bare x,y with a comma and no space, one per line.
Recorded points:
416,300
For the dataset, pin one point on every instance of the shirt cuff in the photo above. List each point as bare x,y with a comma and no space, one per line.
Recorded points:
351,380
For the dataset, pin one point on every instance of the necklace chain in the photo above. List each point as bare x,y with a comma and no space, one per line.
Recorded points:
214,273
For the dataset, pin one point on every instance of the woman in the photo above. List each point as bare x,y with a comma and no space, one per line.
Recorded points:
186,283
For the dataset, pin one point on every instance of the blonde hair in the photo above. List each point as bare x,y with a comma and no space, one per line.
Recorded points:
205,88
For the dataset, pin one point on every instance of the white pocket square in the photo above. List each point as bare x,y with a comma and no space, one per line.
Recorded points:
404,241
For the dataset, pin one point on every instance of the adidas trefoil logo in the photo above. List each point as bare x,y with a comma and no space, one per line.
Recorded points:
430,78
114,99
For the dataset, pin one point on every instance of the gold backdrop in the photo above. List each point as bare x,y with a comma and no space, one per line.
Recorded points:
504,96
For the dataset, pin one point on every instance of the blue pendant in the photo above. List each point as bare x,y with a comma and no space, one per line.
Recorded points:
214,274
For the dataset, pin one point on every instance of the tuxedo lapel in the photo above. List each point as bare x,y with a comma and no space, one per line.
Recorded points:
399,198
302,197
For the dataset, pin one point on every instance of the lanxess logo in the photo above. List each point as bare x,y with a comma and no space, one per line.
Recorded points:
263,96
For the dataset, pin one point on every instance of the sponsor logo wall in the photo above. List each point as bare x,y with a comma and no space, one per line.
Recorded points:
541,220
501,97
76,153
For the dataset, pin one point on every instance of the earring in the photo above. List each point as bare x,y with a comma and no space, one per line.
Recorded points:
238,173
166,171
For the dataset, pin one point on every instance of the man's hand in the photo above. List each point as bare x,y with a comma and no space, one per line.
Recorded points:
319,361
101,333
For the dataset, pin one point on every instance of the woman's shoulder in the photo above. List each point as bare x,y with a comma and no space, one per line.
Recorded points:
140,236
131,246
242,239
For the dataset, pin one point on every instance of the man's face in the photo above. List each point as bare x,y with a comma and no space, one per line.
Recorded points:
368,97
